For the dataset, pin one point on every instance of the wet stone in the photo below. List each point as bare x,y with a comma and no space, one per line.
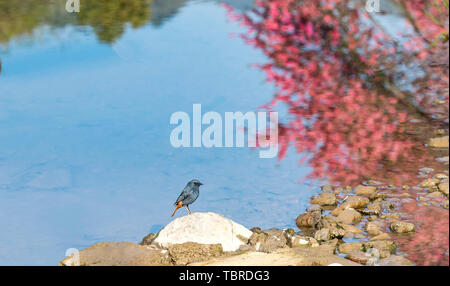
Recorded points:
302,241
365,190
377,197
441,176
395,260
439,142
268,240
147,240
426,170
190,252
324,199
357,256
428,183
359,236
444,160
354,202
326,188
434,195
309,219
313,208
338,190
443,188
433,189
373,229
402,227
422,199
382,236
350,228
373,183
384,247
322,235
348,247
349,216
372,217
388,205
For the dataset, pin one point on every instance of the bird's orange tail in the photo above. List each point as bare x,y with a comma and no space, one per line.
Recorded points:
179,205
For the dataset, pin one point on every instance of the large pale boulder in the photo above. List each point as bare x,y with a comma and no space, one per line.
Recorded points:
203,228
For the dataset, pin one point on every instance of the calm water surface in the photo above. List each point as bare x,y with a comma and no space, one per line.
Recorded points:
85,154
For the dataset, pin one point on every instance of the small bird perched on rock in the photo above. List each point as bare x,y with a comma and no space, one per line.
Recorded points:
189,194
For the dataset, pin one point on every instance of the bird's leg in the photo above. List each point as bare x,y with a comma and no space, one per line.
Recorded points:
189,211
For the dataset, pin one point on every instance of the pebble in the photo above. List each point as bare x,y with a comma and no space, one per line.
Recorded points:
372,217
381,236
326,188
426,170
379,250
384,247
313,208
351,229
322,235
441,176
395,260
373,229
302,241
443,187
434,195
349,216
439,142
390,216
324,199
357,256
365,190
354,202
428,183
443,159
348,247
402,227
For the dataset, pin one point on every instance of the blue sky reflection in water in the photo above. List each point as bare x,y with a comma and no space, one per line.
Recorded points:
85,154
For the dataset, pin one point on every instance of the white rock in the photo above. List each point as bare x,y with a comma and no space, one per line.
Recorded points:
203,228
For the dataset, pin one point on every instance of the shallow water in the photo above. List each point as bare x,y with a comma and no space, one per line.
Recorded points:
85,103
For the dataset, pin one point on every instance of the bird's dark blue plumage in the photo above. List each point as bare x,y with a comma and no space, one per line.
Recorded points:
189,194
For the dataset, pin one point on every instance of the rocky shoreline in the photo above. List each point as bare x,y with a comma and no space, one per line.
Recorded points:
342,226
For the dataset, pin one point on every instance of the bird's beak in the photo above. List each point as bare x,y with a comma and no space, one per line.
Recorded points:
200,183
